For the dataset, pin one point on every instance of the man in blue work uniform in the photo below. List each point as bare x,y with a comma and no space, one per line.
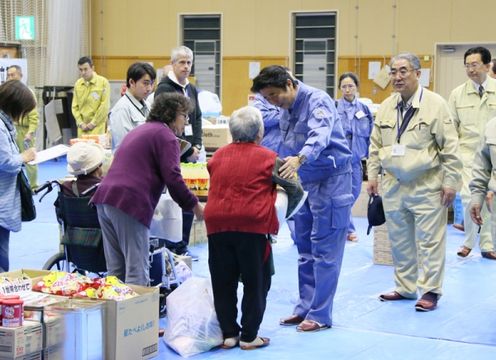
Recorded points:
270,115
312,134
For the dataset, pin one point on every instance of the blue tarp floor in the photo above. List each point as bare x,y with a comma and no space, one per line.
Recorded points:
463,326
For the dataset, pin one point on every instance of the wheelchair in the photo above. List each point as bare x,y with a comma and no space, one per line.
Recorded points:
82,243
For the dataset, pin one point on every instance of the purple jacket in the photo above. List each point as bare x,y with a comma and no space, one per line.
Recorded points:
145,162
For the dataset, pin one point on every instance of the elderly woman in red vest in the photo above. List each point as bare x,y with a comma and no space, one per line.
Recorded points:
239,216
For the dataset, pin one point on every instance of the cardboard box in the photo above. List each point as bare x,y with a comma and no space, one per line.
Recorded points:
382,246
53,330
216,136
359,209
34,356
132,326
20,341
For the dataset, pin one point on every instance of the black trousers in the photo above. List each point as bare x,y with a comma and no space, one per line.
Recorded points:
231,255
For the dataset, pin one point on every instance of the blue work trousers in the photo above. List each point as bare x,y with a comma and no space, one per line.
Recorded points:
321,227
356,188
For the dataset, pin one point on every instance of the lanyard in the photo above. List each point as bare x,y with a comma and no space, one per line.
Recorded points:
145,108
406,118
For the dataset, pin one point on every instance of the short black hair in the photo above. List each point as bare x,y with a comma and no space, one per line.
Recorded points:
139,69
16,99
350,75
85,60
166,106
275,75
485,54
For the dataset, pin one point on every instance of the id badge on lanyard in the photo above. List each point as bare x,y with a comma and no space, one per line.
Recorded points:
398,150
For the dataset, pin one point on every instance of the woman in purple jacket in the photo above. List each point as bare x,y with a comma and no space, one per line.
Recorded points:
145,163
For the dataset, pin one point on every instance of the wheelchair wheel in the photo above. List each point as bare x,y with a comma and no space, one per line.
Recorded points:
56,262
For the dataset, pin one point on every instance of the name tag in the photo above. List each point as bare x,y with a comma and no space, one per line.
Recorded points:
95,95
188,130
360,114
398,150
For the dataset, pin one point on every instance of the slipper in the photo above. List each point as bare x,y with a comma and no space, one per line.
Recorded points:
230,342
311,326
259,342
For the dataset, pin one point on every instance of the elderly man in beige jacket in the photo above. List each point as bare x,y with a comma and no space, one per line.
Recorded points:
414,141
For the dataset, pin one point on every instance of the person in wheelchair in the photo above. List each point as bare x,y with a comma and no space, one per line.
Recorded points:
84,161
82,235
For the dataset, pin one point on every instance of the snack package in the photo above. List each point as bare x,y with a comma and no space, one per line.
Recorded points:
80,286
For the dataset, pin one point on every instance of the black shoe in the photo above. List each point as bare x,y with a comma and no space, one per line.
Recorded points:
293,188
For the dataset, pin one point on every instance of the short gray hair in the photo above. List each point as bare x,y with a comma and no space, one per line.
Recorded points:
411,58
246,124
180,52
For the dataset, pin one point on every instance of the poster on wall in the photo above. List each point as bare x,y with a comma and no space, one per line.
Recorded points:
382,78
6,62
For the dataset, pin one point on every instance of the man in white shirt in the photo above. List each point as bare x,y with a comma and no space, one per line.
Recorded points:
132,109
472,105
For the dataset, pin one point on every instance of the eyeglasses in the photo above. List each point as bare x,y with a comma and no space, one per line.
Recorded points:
473,66
402,72
186,117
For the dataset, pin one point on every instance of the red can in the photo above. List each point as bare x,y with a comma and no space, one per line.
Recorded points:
12,312
6,297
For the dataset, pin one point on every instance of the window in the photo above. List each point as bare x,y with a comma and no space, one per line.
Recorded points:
315,49
201,33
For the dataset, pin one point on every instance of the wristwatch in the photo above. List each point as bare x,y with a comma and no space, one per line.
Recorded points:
302,159
198,146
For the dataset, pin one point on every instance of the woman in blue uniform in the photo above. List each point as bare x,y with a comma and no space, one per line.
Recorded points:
357,122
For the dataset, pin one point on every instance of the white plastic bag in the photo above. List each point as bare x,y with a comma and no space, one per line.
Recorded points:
192,325
183,271
167,221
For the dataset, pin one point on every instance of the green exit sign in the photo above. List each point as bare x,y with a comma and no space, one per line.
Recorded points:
24,28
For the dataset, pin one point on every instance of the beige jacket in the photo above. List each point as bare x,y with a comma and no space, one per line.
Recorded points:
484,168
470,115
430,141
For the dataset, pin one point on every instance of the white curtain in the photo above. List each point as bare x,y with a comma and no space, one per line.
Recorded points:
67,40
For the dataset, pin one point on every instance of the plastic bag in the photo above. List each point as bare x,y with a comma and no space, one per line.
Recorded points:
167,221
192,325
183,271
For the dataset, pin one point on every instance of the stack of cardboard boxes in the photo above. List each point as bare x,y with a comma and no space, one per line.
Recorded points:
81,329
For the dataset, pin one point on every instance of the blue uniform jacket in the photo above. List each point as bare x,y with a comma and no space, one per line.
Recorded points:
311,127
357,122
270,114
